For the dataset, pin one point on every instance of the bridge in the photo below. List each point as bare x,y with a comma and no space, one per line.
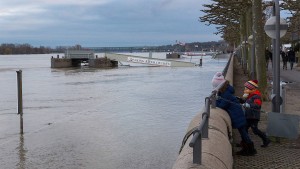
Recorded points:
149,60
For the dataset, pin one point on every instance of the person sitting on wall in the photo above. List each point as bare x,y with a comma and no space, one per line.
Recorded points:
228,102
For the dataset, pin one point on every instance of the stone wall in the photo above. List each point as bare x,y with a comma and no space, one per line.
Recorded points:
102,63
61,63
217,149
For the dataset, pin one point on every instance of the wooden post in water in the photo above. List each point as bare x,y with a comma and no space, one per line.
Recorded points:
20,99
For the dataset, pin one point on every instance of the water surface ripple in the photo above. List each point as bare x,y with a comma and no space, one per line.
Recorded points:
81,118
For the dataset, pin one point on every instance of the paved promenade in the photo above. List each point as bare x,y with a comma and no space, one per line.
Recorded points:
280,154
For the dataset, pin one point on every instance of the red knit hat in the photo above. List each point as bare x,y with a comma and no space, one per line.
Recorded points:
251,84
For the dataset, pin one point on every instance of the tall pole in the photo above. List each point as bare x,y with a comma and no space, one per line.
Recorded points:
273,61
245,54
277,100
253,74
20,99
253,66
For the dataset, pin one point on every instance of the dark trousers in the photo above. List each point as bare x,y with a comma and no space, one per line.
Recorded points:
253,124
244,134
285,65
292,65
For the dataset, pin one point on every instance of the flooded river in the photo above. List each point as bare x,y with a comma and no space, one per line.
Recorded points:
81,118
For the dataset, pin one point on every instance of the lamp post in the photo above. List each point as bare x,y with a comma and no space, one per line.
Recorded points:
251,42
275,28
244,47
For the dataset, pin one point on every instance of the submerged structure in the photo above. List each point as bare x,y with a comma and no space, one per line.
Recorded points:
75,58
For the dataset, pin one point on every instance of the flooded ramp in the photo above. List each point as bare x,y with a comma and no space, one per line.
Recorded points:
149,61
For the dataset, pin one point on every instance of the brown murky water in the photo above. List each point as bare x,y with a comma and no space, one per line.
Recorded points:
129,117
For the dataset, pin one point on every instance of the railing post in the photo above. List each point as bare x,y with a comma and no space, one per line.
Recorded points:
202,130
197,149
213,100
205,126
20,99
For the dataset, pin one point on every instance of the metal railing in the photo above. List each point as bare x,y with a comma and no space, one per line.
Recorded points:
202,130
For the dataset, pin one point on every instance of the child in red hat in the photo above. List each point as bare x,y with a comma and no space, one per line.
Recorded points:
252,107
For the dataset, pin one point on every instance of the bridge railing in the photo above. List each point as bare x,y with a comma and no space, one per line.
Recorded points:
202,130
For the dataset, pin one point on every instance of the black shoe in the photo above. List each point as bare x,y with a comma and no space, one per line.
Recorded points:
247,150
251,150
241,144
242,152
266,143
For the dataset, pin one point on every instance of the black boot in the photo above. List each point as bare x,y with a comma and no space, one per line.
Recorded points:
244,150
264,138
247,150
251,150
240,144
266,142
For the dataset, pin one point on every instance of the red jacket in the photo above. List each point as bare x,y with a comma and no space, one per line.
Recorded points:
255,102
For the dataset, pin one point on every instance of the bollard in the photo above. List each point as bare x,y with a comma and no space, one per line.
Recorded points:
20,99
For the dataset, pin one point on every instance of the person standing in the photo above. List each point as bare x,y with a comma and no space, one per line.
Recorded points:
284,59
252,107
271,57
291,57
227,101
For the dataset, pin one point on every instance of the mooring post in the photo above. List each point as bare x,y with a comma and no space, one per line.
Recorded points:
20,99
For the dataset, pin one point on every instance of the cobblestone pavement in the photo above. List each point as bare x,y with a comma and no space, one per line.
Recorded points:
281,153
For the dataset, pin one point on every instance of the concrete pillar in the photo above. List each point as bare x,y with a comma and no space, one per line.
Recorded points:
61,63
102,63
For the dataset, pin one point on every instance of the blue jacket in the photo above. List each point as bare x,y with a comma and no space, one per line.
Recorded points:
230,103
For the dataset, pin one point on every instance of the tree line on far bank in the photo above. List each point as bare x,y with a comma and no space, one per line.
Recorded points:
11,49
15,49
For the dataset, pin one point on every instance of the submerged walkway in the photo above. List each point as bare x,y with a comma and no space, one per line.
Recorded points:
284,154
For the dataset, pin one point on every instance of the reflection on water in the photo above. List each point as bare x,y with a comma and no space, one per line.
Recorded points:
22,153
128,117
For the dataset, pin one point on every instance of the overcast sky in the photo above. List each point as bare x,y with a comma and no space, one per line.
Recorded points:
103,23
